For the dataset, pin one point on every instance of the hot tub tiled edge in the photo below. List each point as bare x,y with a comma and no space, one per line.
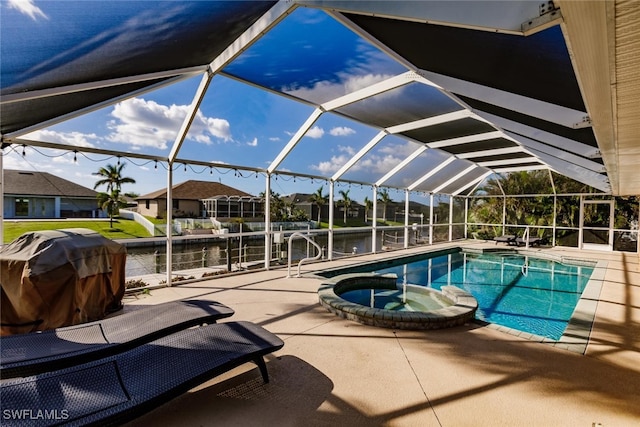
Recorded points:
462,311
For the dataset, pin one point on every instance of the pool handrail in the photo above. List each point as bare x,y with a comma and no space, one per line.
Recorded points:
290,245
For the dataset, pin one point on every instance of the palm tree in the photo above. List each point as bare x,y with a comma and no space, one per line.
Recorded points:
368,204
534,210
112,177
111,200
384,199
319,200
276,205
346,203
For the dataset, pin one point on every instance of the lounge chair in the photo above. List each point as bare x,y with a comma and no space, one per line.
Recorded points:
533,241
33,353
119,388
509,239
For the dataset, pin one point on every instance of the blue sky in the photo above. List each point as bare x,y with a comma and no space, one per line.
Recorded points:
237,124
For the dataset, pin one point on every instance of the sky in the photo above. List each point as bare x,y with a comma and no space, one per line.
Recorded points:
237,123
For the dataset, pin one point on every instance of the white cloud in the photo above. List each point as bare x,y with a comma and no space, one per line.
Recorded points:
28,8
65,160
404,149
202,125
378,164
253,143
77,139
341,131
84,177
347,149
144,123
274,139
355,83
323,91
332,165
32,161
336,162
315,132
15,162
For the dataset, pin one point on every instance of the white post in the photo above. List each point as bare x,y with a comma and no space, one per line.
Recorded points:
450,218
331,212
612,214
374,230
504,214
580,230
267,222
406,219
466,217
169,221
555,216
431,218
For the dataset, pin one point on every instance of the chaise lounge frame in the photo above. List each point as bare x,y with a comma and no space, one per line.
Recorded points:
118,388
37,352
509,239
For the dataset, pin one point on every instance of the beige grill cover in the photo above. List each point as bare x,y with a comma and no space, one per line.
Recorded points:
59,277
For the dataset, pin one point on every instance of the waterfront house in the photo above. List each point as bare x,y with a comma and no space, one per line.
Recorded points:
188,200
31,195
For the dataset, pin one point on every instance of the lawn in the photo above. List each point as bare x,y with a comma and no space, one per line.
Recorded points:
122,228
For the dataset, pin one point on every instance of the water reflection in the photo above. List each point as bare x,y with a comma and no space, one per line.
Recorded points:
214,253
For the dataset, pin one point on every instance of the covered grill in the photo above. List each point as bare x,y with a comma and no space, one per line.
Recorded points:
57,278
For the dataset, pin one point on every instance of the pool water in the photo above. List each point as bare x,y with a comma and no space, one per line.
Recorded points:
521,292
396,300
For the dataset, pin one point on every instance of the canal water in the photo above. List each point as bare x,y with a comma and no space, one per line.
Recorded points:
213,253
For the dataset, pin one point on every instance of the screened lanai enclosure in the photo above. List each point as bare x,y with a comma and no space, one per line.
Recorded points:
446,120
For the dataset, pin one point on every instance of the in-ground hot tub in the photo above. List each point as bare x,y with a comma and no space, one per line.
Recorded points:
395,306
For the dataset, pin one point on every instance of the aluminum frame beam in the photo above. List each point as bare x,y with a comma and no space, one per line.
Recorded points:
475,182
520,168
430,121
548,138
401,165
375,89
242,43
559,154
454,178
466,139
495,152
490,16
576,172
95,107
507,162
356,157
259,28
429,174
191,115
315,115
553,113
81,87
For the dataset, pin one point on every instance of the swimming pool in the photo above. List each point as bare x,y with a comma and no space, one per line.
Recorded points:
529,294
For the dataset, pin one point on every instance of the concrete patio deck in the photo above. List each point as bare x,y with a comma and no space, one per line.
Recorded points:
334,372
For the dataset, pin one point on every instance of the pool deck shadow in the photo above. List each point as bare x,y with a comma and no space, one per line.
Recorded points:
333,371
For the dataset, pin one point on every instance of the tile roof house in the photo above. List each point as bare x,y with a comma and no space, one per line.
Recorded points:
29,194
187,198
